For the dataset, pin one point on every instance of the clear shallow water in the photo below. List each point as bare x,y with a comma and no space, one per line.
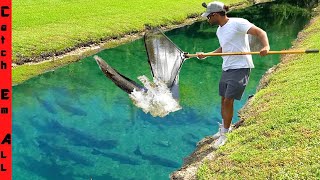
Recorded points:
74,123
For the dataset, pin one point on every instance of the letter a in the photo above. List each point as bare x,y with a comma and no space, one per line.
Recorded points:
7,139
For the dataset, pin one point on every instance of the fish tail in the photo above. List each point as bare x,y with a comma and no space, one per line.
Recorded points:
137,151
95,152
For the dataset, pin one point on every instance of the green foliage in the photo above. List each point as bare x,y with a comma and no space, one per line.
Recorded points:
278,13
301,3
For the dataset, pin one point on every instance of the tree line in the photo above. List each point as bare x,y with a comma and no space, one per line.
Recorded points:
302,3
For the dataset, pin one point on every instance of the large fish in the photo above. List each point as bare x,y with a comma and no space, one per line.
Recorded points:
121,81
123,159
127,84
46,105
75,136
61,152
157,160
71,109
48,169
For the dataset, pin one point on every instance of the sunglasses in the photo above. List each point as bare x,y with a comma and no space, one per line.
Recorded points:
211,14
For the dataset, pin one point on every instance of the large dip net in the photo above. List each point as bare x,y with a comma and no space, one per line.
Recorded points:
164,57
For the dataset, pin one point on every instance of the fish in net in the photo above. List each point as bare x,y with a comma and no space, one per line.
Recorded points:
159,97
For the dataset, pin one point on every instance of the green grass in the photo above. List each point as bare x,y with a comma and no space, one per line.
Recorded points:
46,26
280,137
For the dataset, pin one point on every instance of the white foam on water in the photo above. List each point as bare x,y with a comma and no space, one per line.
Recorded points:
157,101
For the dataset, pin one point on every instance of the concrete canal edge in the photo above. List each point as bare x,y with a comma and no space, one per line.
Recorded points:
203,151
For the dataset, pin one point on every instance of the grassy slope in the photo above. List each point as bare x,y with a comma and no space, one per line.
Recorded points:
46,26
41,26
280,137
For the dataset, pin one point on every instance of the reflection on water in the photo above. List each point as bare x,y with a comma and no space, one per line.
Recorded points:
74,123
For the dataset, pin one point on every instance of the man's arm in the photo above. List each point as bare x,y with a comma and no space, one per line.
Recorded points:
201,56
262,35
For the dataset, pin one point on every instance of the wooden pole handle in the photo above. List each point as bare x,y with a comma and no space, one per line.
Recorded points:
252,53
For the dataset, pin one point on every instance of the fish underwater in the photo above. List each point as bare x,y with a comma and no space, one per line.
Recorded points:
156,160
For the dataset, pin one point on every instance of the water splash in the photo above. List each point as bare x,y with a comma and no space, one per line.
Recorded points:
157,100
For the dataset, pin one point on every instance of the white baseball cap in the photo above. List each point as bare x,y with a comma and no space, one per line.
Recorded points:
213,7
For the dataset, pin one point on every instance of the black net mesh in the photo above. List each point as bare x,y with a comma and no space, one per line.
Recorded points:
164,57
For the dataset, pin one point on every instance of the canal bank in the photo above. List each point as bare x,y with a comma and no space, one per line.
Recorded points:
277,134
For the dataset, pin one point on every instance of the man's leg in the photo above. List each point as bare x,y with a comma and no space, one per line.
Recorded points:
232,84
227,111
227,114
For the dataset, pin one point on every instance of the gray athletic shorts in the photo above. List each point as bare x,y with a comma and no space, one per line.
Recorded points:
233,82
